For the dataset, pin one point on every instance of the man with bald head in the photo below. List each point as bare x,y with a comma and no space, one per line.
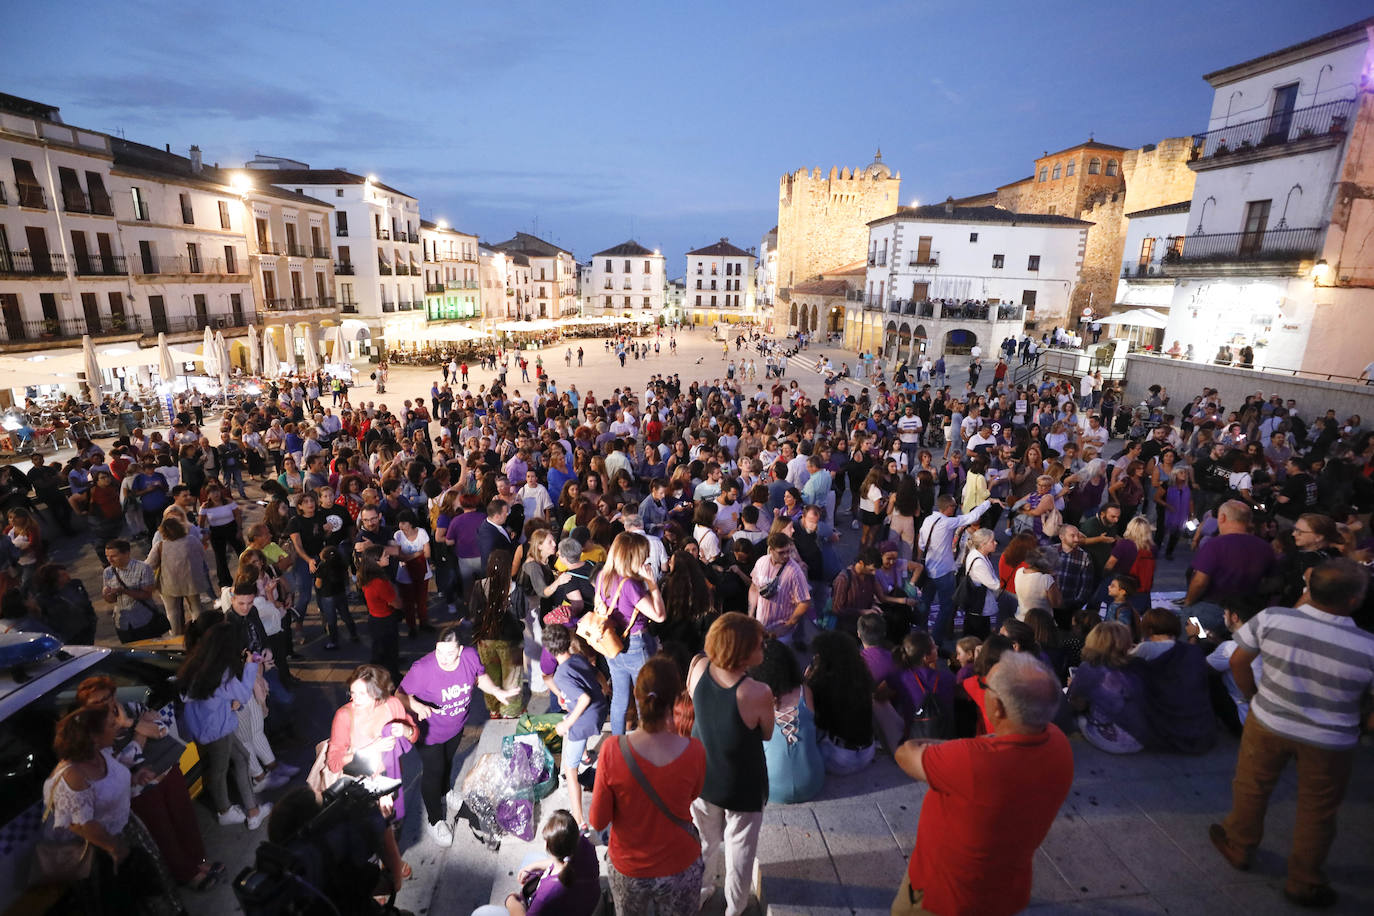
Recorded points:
1228,566
991,800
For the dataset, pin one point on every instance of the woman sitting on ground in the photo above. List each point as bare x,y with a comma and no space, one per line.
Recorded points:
1177,707
567,884
1108,691
796,772
843,692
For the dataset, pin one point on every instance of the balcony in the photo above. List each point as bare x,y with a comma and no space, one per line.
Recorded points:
182,265
343,268
956,311
413,237
32,196
384,235
322,254
348,307
341,232
74,201
384,268
101,205
68,328
99,265
24,264
404,305
297,251
304,304
388,306
1279,134
434,287
1271,251
931,259
325,302
402,270
878,259
188,324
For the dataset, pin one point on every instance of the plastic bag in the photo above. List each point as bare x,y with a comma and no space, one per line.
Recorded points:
503,789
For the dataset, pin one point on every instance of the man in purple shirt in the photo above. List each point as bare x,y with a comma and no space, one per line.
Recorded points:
1227,566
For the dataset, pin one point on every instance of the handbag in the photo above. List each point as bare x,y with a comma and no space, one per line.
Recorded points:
56,862
319,778
152,627
633,766
596,629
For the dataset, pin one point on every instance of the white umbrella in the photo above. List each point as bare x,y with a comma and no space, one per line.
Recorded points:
207,349
288,337
222,360
312,349
339,343
254,352
269,355
92,368
166,366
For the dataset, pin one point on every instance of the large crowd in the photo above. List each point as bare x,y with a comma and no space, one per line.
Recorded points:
665,561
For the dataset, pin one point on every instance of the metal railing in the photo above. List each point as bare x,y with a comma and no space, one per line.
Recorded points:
402,270
384,268
348,307
68,328
323,254
388,306
384,234
932,259
404,305
303,304
24,264
414,238
341,232
343,268
74,201
182,324
297,250
1329,118
434,287
31,196
4,199
101,265
956,311
326,302
1266,245
208,267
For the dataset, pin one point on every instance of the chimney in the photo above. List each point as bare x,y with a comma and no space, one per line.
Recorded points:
949,205
195,159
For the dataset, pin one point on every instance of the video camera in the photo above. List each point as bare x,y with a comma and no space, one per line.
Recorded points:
325,866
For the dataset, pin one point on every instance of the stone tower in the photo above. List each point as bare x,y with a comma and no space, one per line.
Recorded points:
823,221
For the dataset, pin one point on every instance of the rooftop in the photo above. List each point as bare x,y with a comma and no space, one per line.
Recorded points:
1330,41
723,248
1090,144
948,212
139,157
320,177
1183,206
531,245
625,249
29,108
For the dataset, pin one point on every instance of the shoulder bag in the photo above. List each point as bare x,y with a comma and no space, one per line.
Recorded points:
151,627
596,628
633,766
56,862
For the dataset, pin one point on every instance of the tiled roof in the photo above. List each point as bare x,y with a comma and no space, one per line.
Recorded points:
28,107
139,157
531,245
624,249
942,213
1090,144
822,288
723,248
1183,206
319,176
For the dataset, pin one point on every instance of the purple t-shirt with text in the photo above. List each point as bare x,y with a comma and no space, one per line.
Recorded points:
450,692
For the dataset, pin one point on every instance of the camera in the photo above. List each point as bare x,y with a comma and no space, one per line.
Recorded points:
325,865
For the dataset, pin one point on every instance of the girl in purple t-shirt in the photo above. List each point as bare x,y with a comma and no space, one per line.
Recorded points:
626,585
438,689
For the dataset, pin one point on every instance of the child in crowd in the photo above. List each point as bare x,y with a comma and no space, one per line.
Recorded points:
1236,613
927,686
1120,589
965,652
588,709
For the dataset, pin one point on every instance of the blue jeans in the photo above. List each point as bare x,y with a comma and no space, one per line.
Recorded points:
304,582
233,479
624,668
942,624
333,607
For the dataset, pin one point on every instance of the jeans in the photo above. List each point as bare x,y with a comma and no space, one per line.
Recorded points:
624,668
737,833
1323,775
233,480
303,581
332,607
941,625
911,450
218,755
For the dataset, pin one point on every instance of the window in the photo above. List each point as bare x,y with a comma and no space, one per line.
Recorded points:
231,262
627,265
997,260
1044,172
1256,222
1111,167
187,215
608,301
1028,298
698,301
1055,173
646,301
973,237
338,192
1069,168
1033,262
1053,209
1094,166
341,224
713,301
224,214
140,204
609,268
646,267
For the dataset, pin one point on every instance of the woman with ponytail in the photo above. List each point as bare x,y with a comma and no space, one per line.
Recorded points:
567,883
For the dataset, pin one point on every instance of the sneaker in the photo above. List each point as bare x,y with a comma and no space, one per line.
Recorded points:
1317,897
234,815
442,834
264,809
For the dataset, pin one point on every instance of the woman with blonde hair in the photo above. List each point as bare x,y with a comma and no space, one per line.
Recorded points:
1134,553
179,563
626,587
1107,691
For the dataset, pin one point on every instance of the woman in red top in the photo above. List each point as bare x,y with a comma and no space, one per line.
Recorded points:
1014,557
655,859
383,621
105,511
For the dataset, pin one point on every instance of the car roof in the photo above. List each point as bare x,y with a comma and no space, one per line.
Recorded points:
42,676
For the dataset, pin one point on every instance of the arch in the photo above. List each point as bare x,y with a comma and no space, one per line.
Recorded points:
890,339
355,329
1111,167
837,319
920,332
805,319
815,318
793,320
1094,166
1055,174
959,342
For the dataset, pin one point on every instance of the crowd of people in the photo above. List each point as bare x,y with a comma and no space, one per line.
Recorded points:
665,561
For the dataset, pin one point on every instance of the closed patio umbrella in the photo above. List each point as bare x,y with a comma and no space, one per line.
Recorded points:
254,351
92,368
166,366
312,349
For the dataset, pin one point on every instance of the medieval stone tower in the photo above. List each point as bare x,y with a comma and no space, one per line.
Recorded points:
822,222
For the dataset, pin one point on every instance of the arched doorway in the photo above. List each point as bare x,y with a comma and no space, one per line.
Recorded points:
918,342
836,319
959,342
815,318
903,342
793,319
805,319
890,339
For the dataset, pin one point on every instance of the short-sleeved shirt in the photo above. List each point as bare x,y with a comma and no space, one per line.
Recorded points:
630,592
1317,668
991,803
574,678
378,594
881,666
792,589
1234,563
449,692
311,531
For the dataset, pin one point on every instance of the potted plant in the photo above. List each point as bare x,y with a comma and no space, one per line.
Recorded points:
1222,149
1338,124
1246,145
50,327
119,323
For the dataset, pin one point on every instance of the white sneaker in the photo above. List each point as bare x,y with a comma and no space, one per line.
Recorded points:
264,809
442,834
854,524
234,815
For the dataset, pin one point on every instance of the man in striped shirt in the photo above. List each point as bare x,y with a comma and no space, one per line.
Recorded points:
1318,668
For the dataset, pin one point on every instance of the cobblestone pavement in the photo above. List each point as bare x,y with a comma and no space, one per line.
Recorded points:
1131,838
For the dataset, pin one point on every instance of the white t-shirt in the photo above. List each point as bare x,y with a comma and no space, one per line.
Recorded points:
869,501
536,500
1032,591
910,429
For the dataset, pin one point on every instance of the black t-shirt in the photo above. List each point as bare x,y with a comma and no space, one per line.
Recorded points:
338,527
311,531
1301,491
578,588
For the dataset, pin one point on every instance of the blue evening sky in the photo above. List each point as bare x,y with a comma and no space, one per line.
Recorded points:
671,122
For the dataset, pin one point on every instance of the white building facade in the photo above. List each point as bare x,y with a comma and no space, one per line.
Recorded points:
943,278
626,280
451,273
720,284
553,275
1272,257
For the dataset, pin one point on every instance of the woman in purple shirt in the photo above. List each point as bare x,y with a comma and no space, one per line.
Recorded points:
569,883
438,689
626,586
462,536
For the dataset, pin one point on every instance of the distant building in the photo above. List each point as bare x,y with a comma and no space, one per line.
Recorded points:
675,297
766,274
945,278
720,284
822,306
449,262
626,280
504,278
553,274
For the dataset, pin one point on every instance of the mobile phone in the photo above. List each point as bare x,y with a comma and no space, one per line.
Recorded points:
1197,623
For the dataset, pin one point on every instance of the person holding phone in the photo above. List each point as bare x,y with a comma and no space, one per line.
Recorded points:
370,733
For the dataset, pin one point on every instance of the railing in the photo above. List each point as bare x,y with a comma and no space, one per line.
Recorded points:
275,305
183,324
348,307
384,234
68,328
384,268
326,302
414,238
877,260
297,251
324,254
343,268
434,287
101,205
932,259
388,306
404,305
22,263
74,201
402,270
1268,245
303,304
956,311
100,265
213,267
341,232
912,308
1329,118
31,196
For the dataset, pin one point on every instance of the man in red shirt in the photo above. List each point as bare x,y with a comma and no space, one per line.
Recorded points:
991,800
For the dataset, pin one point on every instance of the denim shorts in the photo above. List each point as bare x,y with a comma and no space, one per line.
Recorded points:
573,749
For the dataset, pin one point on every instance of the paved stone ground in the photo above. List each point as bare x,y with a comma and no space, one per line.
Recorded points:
1131,838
